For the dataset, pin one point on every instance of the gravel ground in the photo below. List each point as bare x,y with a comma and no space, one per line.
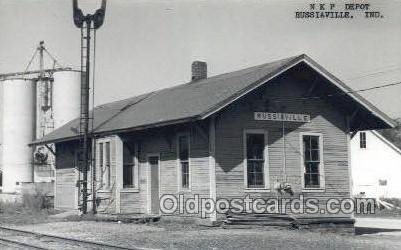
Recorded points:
168,235
388,223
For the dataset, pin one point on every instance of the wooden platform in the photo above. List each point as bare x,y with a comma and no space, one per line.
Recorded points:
128,218
246,220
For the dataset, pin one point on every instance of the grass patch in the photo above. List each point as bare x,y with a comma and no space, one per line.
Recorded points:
384,212
82,217
30,208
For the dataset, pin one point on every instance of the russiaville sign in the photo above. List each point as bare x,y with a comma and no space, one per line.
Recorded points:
285,117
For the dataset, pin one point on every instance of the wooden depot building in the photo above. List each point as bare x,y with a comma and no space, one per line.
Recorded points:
280,129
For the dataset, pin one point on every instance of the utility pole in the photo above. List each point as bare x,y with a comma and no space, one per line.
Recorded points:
85,22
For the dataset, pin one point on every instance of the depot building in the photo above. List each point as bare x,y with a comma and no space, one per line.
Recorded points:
280,129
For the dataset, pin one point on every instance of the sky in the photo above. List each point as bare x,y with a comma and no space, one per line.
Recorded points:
149,45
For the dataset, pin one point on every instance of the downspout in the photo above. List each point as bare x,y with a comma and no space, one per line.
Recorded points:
348,134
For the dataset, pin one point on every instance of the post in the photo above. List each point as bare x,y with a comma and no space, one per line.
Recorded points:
94,168
79,20
85,120
284,154
212,164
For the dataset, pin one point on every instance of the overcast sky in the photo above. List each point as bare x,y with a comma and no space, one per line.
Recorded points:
148,45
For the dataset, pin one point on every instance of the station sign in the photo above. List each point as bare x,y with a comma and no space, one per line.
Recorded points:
285,117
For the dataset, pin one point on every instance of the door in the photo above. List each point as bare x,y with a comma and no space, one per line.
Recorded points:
153,162
66,190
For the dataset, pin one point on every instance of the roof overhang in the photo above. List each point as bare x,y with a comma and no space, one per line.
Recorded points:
389,143
118,131
319,69
389,123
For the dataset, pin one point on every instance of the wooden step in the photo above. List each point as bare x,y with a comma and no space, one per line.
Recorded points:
260,223
257,219
248,219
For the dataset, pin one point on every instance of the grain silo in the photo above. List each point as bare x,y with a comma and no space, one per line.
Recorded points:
66,96
57,104
18,129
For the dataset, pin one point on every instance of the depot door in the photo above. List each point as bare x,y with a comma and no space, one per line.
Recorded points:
153,163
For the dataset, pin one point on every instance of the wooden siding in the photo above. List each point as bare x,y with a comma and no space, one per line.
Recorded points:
283,96
66,177
153,142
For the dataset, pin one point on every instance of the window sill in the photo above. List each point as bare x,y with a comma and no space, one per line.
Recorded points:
257,190
184,191
129,190
104,191
313,190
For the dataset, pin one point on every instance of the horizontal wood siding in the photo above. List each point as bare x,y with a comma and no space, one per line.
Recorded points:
165,144
325,119
66,178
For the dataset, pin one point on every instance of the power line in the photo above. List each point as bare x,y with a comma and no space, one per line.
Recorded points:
377,87
336,94
374,73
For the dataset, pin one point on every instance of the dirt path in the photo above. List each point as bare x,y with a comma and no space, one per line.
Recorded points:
176,236
385,223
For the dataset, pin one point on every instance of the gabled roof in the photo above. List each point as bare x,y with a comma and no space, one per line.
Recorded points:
387,141
384,139
194,101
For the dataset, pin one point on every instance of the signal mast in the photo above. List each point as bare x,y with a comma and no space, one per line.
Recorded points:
86,23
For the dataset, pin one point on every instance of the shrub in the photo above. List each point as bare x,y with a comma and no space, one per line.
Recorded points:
36,200
10,207
29,202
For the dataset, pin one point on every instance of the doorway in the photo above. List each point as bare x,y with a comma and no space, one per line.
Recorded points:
153,164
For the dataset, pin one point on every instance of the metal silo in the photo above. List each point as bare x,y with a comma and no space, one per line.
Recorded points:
18,129
66,96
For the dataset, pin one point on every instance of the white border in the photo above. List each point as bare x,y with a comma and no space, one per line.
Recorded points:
266,188
322,181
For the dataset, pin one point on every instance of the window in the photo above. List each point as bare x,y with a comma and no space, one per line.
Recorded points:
362,140
183,157
312,161
382,182
128,165
104,164
255,160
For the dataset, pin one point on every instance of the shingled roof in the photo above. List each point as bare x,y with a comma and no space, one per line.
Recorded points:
192,101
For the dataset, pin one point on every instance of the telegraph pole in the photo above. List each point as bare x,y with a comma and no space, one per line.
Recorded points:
85,22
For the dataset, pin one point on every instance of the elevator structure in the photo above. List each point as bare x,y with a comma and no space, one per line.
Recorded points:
34,103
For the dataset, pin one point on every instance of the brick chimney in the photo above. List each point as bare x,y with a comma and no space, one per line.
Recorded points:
199,70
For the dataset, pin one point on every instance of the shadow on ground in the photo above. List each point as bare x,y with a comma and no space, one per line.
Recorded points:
371,230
